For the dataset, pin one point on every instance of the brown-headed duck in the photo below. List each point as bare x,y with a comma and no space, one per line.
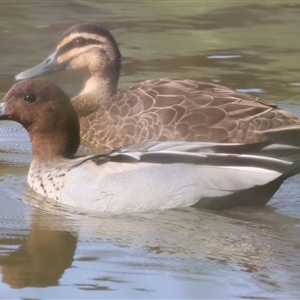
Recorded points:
138,177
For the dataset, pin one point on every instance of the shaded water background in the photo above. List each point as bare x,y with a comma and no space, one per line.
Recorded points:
250,46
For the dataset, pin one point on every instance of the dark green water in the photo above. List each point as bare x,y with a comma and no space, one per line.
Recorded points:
52,252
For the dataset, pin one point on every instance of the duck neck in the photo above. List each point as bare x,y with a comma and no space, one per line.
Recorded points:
97,92
50,146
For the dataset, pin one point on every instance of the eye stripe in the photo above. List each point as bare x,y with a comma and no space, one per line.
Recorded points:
67,47
70,37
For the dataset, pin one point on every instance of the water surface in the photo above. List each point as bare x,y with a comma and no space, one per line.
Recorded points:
51,251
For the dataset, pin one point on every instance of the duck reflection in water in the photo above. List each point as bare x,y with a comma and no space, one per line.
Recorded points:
209,241
43,258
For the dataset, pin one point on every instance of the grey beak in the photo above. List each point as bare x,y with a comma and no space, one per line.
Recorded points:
49,65
2,110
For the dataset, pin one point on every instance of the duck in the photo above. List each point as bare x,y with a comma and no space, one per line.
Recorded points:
139,177
163,109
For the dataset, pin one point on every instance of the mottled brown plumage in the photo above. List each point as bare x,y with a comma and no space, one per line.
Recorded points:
159,109
196,112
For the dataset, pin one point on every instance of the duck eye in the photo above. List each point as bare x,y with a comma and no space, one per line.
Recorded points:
78,42
29,98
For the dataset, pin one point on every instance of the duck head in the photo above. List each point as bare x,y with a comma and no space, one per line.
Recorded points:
47,114
86,48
